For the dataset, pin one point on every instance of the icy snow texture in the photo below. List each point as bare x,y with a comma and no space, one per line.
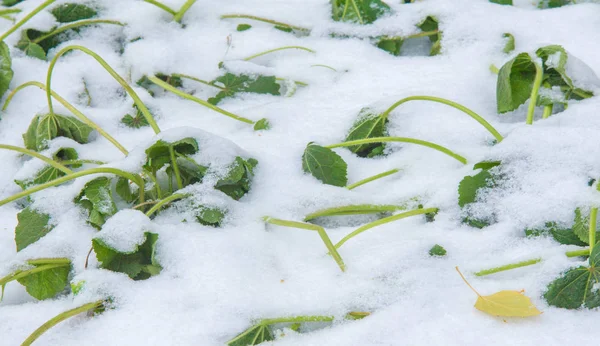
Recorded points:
216,280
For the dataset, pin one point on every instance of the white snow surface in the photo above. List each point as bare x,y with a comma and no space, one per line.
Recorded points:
216,281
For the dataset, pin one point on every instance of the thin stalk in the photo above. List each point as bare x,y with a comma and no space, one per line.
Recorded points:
187,96
384,221
326,66
547,111
144,204
401,139
372,178
32,153
458,106
537,82
135,178
77,162
467,282
302,225
186,6
141,106
265,20
77,25
152,177
354,210
23,273
360,20
162,6
297,319
592,228
417,35
163,202
59,318
196,80
276,50
508,267
38,261
175,168
71,108
37,10
494,69
295,81
577,253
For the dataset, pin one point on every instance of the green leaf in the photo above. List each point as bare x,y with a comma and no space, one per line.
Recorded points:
477,223
9,3
262,124
49,173
325,165
243,27
45,127
437,250
158,155
236,183
210,216
562,235
67,13
502,2
392,45
96,198
37,49
358,11
554,3
6,72
231,84
47,283
581,227
486,165
135,122
509,46
367,125
124,190
254,335
470,185
138,264
574,289
431,24
515,81
31,227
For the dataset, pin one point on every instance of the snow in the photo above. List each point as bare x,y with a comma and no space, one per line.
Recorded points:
216,281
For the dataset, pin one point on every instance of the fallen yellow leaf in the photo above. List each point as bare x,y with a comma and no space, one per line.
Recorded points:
504,303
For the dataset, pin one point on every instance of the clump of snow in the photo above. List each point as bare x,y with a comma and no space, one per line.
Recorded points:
125,230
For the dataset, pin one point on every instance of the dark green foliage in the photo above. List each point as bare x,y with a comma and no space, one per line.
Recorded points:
367,125
325,165
471,185
437,250
96,198
231,84
515,81
139,263
243,27
49,173
9,3
124,191
554,3
6,72
32,226
392,45
237,181
45,127
67,13
358,11
563,235
502,2
430,24
137,121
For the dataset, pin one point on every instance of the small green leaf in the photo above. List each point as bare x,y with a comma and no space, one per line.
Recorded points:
502,2
124,190
237,181
254,335
284,28
262,124
486,165
6,72
392,45
325,165
39,49
554,3
358,11
437,250
9,3
210,216
477,223
368,125
31,227
67,13
431,24
47,283
138,264
96,198
135,122
562,235
243,27
509,46
470,185
158,155
231,84
45,127
515,81
49,173
581,227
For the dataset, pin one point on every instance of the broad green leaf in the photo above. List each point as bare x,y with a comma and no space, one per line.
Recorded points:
581,226
502,2
368,125
562,235
145,83
509,46
32,226
137,121
358,11
325,165
554,61
231,84
6,72
158,155
45,127
96,198
47,283
431,24
437,250
67,13
124,190
554,3
210,216
243,27
470,185
575,288
515,81
392,45
138,264
254,335
29,44
236,183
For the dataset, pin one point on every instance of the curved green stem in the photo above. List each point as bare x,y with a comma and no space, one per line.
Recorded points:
592,228
162,6
196,80
59,318
135,178
458,106
71,108
373,178
77,162
508,267
77,25
326,66
400,139
187,96
384,221
32,153
275,50
297,319
354,210
165,201
547,111
311,227
19,274
186,6
577,253
537,83
175,168
141,106
37,10
265,20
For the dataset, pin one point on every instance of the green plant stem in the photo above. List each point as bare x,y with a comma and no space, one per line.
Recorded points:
302,225
187,96
196,80
19,274
162,6
76,25
295,81
99,170
59,318
537,83
265,20
547,111
354,210
37,10
38,261
71,108
175,168
163,202
384,221
592,228
508,267
360,20
141,106
297,319
77,162
372,178
186,6
326,66
417,35
458,106
32,153
403,140
275,50
494,69
577,253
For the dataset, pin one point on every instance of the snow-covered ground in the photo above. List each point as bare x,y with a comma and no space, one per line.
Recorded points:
216,281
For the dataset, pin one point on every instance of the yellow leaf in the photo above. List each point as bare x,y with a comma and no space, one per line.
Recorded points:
504,303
